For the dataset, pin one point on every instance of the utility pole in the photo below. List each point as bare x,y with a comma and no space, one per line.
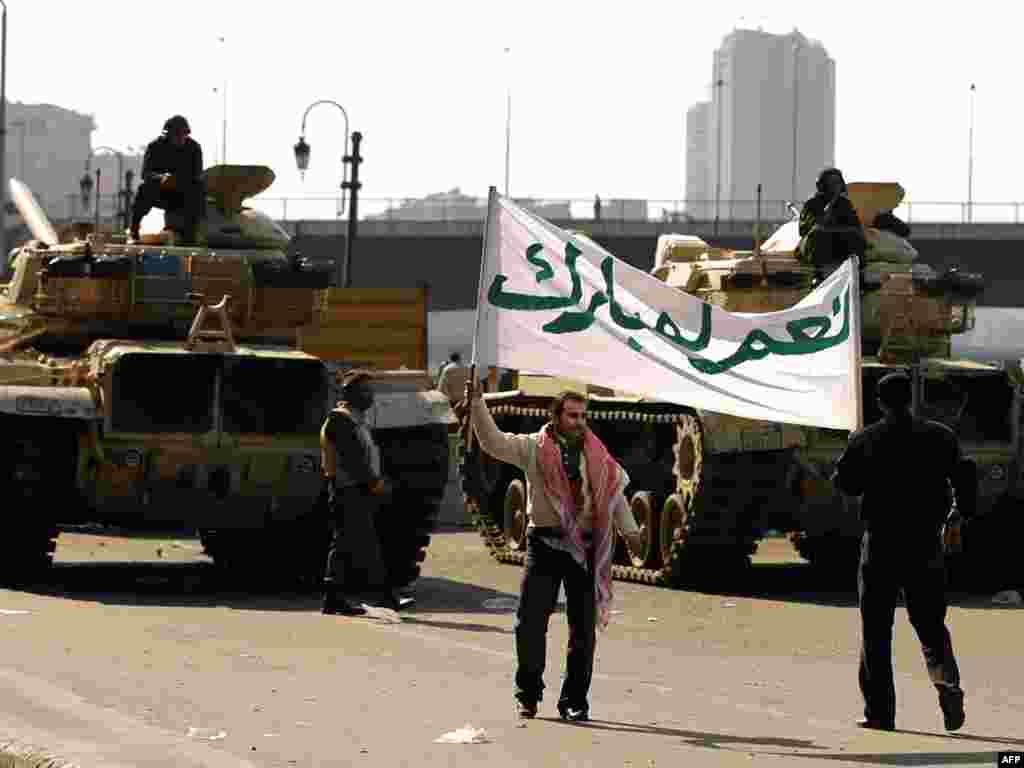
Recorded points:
796,111
508,120
970,163
353,216
718,141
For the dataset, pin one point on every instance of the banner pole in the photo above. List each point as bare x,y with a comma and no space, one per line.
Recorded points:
492,199
855,346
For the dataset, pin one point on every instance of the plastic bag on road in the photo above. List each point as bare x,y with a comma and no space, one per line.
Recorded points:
467,734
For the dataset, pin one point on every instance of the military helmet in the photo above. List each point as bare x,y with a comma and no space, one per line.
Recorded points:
820,183
176,122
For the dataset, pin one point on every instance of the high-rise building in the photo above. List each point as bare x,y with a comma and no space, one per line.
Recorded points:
698,161
771,121
50,147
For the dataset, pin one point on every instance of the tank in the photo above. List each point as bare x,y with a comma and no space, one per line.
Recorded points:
152,384
707,487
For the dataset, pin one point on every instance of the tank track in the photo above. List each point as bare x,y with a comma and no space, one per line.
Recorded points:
493,535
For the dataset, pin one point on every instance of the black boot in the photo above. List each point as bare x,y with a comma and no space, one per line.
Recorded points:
335,605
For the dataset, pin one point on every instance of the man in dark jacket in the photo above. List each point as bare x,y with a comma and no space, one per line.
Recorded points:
905,468
355,486
172,171
830,230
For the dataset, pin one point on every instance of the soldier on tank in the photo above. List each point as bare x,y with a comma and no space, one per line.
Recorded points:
172,170
905,468
355,488
830,230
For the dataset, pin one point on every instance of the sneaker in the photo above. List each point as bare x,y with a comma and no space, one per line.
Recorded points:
526,710
394,601
877,725
573,714
951,701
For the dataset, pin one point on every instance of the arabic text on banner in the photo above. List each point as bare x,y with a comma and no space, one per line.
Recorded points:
555,304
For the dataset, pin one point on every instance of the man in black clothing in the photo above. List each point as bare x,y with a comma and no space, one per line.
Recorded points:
830,230
355,486
172,171
905,468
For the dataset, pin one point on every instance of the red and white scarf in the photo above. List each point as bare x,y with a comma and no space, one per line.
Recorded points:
606,479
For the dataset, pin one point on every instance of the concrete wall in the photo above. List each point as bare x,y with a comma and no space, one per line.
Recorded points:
450,265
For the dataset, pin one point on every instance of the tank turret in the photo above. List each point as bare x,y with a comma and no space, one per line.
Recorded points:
69,293
909,309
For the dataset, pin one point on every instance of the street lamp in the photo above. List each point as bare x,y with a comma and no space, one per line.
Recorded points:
120,171
302,152
719,82
85,185
796,93
970,164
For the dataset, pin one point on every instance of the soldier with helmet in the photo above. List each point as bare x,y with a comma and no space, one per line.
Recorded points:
905,468
355,488
830,230
172,169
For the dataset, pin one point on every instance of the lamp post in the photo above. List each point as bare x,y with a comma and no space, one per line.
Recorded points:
719,82
3,131
83,183
796,94
302,152
224,109
970,164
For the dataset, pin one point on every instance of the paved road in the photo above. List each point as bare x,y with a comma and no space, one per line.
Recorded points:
120,662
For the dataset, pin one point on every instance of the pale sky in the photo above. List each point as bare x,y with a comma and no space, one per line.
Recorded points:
599,90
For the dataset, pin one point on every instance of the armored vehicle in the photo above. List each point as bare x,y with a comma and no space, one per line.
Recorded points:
150,383
706,487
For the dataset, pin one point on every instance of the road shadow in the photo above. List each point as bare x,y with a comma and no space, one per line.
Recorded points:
202,584
704,739
967,737
897,758
803,583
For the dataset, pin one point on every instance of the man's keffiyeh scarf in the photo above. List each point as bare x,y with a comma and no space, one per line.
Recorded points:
606,479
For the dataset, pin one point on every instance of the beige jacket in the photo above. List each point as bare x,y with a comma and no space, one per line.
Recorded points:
521,451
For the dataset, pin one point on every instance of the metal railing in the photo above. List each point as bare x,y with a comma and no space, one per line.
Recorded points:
470,209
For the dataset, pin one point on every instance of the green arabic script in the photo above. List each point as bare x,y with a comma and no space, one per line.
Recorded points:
809,335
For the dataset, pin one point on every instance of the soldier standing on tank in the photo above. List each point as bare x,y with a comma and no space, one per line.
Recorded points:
575,495
355,488
905,468
830,230
172,170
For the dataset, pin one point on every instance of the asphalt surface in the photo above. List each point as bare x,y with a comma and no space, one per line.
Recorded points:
134,652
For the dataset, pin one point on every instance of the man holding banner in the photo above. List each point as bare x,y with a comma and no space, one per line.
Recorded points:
574,498
561,305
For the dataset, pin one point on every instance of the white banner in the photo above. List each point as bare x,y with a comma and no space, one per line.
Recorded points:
559,305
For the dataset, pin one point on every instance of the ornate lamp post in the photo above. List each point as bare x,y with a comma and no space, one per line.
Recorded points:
302,152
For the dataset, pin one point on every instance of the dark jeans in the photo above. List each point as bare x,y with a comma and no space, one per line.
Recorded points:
188,201
354,559
546,570
885,568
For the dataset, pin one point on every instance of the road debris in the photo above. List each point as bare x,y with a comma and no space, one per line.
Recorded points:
467,734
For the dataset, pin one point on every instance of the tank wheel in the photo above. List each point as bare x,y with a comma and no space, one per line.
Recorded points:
673,530
646,517
689,457
515,515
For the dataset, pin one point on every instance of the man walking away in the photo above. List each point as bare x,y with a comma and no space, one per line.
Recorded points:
905,468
